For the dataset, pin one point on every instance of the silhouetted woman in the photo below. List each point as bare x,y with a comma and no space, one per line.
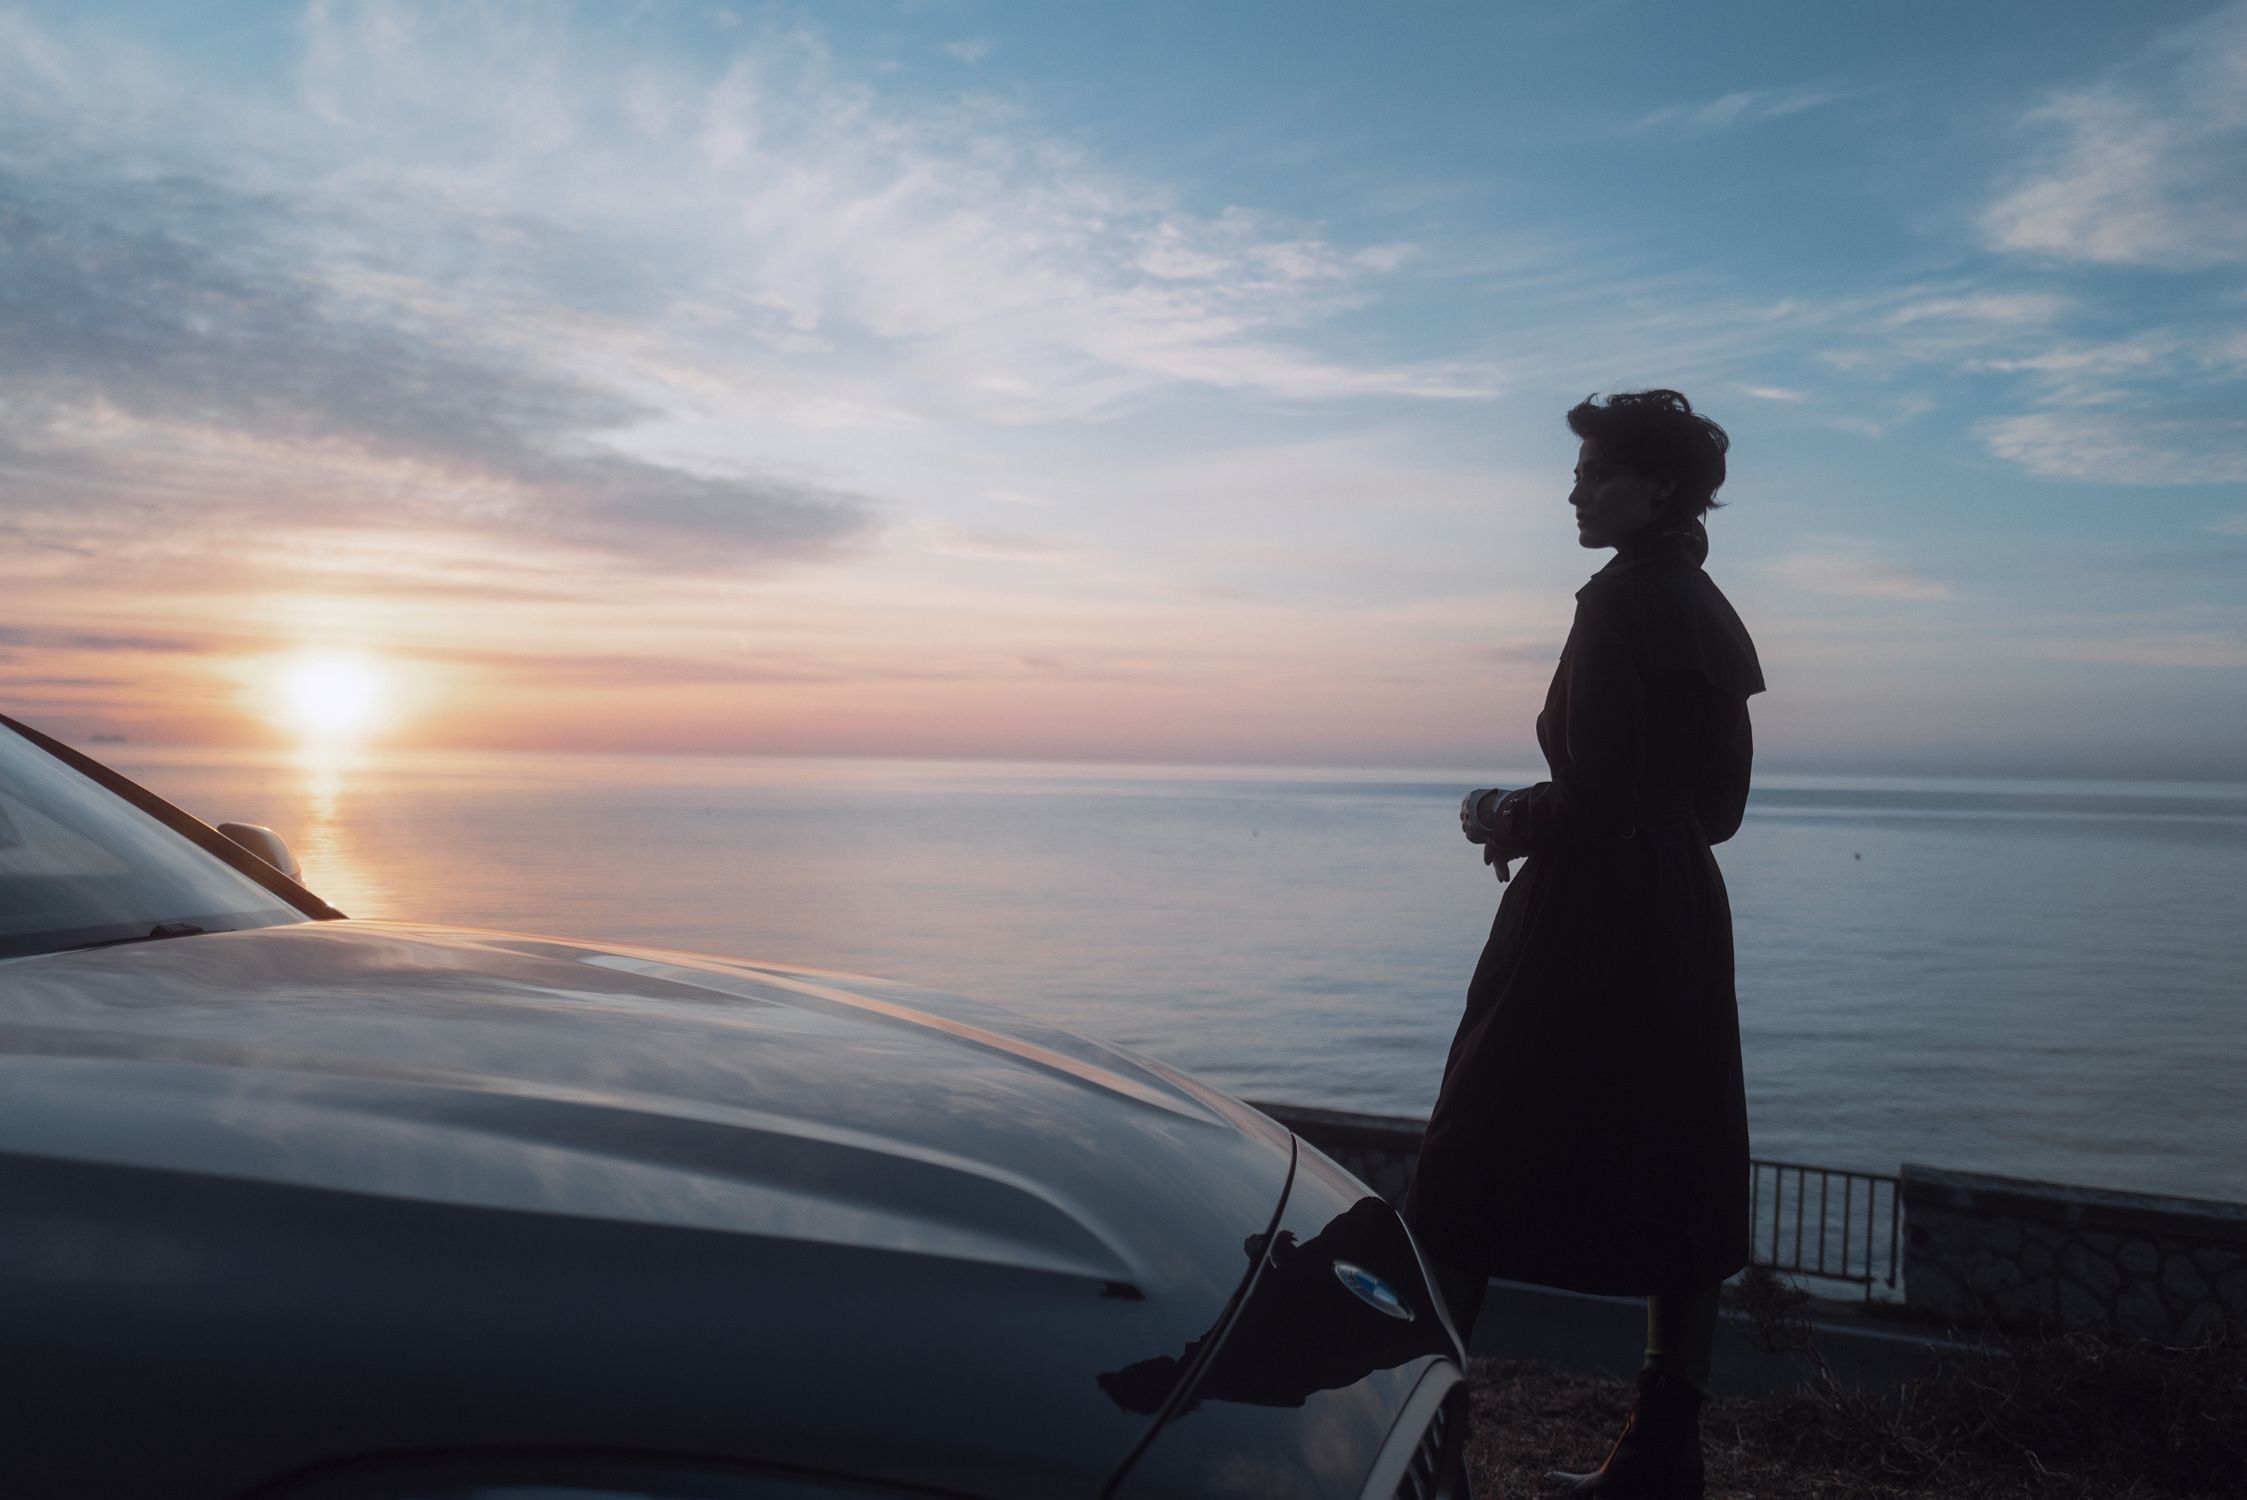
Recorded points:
1592,1130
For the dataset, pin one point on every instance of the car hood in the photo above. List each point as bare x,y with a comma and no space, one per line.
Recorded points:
820,1135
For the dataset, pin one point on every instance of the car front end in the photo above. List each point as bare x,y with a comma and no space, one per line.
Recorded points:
297,1206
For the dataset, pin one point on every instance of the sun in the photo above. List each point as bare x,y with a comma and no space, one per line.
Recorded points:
332,695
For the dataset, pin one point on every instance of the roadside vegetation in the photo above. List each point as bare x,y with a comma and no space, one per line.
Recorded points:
2072,1416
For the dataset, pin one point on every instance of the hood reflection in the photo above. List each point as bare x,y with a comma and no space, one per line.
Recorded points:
1302,1330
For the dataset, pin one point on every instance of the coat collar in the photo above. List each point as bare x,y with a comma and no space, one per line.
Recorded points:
1687,541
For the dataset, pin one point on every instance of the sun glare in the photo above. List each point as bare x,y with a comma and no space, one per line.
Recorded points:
331,696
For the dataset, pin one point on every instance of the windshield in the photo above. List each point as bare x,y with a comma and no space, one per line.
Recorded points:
80,865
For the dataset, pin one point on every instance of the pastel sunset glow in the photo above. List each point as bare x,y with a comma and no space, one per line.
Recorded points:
1176,383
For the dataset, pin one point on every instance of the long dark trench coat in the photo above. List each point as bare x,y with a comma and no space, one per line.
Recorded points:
1592,1130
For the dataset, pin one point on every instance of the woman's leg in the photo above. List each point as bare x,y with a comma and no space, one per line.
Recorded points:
1681,1336
1658,1457
1462,1293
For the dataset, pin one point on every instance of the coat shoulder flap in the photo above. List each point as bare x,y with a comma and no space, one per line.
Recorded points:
1673,618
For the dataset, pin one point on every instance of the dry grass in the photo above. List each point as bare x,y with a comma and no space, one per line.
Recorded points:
2070,1417
1530,1419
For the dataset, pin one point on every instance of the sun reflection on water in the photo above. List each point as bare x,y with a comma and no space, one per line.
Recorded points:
324,841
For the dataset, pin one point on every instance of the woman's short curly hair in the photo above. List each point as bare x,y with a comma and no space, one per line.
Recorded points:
1658,433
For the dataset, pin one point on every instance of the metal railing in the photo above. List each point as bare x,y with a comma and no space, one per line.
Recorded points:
1821,1223
1825,1223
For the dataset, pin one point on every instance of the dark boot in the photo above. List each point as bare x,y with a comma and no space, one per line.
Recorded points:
1658,1457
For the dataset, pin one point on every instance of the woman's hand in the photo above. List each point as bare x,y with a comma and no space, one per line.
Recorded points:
1473,812
1478,818
1478,821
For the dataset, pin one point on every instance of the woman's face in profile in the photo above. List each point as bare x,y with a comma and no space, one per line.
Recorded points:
1612,504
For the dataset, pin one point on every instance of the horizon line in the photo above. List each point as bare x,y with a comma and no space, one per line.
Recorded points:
1791,768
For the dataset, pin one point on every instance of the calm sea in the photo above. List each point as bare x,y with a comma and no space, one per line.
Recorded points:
2040,978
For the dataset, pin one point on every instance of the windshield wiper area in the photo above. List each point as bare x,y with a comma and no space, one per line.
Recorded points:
160,930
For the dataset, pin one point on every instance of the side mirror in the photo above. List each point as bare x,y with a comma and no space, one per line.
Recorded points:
266,845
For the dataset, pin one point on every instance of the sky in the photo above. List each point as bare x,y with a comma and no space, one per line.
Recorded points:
1174,382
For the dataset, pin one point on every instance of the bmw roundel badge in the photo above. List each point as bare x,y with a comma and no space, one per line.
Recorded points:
1372,1290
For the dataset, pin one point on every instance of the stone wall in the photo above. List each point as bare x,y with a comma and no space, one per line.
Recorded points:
2024,1255
1977,1249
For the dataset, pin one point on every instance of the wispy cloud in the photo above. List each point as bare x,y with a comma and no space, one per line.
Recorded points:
2154,405
968,50
1533,653
2144,166
998,543
2148,167
1745,107
15,684
2132,447
952,251
1983,309
1856,573
1952,325
2172,648
422,301
51,639
2093,365
155,330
